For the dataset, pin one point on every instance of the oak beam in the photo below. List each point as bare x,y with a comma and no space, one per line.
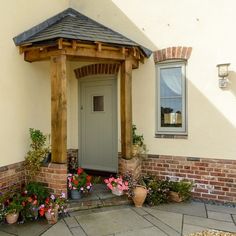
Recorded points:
126,109
58,109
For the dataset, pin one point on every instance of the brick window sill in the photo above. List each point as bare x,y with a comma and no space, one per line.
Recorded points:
172,136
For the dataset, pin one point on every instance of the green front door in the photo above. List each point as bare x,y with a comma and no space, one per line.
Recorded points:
98,129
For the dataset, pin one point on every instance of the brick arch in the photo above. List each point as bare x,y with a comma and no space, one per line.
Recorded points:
182,53
95,69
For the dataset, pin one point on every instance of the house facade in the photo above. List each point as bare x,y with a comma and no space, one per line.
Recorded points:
188,121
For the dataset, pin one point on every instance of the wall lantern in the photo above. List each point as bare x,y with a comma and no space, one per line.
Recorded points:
223,72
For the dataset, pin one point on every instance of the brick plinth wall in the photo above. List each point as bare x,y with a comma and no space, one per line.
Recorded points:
54,177
215,179
12,175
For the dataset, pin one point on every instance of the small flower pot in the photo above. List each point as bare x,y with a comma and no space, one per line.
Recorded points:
140,194
52,216
117,192
174,197
12,218
76,194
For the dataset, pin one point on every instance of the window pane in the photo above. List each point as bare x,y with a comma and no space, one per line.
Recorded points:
98,103
171,82
171,112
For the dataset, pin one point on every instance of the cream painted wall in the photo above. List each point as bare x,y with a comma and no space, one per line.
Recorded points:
205,25
24,87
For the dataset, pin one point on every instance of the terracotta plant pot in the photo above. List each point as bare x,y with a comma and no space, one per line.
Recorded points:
52,216
12,218
174,197
140,194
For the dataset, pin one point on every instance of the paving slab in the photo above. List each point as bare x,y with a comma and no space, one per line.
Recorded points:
59,229
219,216
163,227
210,223
78,231
5,234
105,195
189,229
26,229
152,231
192,208
140,211
110,222
71,222
173,220
223,209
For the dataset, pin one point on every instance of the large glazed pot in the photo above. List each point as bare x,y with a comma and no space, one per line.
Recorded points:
140,194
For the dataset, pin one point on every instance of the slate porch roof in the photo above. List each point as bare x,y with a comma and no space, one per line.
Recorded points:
70,24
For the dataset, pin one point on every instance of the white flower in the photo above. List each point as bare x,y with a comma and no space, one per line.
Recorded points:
52,197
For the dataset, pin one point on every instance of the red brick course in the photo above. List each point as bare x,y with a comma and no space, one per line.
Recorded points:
214,179
12,175
94,69
172,53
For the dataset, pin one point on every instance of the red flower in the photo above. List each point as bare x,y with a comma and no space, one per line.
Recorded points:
88,178
80,171
41,211
75,182
47,200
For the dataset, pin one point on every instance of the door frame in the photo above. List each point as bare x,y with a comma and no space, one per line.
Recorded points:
94,78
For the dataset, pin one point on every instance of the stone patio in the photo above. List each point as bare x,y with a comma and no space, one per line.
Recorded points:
164,220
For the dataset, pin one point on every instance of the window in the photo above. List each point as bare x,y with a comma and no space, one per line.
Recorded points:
98,103
171,98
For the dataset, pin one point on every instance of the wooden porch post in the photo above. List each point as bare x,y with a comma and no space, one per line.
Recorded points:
58,109
126,109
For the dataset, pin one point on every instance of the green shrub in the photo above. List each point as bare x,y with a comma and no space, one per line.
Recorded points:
38,151
158,190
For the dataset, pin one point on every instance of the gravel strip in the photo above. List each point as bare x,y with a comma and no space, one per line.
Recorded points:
212,233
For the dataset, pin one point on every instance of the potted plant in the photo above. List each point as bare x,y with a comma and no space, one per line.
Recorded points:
39,150
12,206
137,189
180,191
139,149
52,207
117,185
79,183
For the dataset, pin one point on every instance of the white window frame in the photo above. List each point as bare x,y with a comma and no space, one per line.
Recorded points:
171,130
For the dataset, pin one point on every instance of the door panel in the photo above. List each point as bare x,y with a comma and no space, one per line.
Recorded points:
99,125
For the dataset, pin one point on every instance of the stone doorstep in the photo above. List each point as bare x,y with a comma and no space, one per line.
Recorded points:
91,204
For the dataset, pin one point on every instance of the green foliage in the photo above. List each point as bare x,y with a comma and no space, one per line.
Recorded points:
38,151
137,139
139,148
158,190
183,188
13,204
35,188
